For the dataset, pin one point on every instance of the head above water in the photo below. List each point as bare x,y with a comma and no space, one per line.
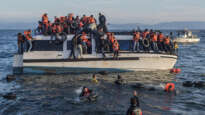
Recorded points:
135,93
86,89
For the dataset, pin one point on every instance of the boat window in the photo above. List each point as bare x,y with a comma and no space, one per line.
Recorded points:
45,45
125,45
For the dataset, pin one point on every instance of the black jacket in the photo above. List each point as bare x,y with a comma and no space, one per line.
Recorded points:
102,19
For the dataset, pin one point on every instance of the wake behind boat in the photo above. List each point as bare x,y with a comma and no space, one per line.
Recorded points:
91,49
187,37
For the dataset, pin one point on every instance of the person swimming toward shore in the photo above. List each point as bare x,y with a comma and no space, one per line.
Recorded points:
88,94
94,80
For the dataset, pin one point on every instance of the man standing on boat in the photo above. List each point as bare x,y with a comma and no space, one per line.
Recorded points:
154,41
136,38
29,38
102,22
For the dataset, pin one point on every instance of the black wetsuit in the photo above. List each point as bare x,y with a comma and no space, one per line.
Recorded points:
131,110
102,24
120,82
137,100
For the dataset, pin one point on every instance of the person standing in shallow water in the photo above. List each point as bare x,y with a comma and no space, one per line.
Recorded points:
135,95
133,109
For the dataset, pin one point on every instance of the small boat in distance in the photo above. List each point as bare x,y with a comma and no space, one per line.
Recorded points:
186,37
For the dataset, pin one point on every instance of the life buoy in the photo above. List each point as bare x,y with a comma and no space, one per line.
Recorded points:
169,87
175,70
145,42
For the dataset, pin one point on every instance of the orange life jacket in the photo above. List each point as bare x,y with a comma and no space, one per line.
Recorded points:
70,18
84,38
45,19
144,34
27,35
81,24
167,41
59,29
161,37
154,38
112,39
115,46
136,37
91,20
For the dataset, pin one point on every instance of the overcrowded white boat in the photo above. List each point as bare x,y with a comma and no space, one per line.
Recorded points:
48,57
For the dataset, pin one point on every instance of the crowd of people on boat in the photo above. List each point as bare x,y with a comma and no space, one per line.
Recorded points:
70,24
86,28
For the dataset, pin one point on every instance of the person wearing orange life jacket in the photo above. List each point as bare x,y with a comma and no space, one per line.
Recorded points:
154,41
111,39
161,41
108,40
88,94
115,49
85,92
84,40
80,27
92,23
145,40
45,22
167,44
91,20
28,38
136,38
84,19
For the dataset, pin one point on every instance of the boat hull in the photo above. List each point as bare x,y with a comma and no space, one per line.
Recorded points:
126,62
186,40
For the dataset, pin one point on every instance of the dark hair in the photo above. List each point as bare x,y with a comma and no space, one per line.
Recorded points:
19,34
